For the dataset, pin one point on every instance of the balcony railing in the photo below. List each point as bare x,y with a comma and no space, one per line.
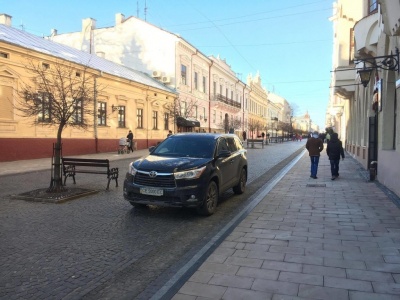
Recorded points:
223,99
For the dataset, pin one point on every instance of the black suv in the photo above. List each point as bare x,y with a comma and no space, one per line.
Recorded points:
188,170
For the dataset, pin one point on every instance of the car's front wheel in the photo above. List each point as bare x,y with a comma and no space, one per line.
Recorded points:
241,186
211,199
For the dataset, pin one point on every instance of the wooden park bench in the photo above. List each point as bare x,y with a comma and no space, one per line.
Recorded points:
71,166
255,141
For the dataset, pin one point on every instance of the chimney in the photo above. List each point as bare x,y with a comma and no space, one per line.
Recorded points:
88,24
5,19
119,18
53,32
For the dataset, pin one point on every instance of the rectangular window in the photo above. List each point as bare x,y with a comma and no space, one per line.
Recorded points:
226,93
220,89
4,55
6,99
231,95
214,116
44,107
204,85
78,112
102,113
373,6
214,88
139,117
183,74
204,114
195,111
45,66
183,109
166,121
155,121
196,81
121,116
351,50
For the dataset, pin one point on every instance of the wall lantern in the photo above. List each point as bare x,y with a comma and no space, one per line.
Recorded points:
385,62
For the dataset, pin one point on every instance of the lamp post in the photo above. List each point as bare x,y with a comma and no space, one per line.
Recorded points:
275,120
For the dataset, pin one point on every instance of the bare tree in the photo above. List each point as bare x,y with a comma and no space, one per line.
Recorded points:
228,124
255,126
61,95
180,108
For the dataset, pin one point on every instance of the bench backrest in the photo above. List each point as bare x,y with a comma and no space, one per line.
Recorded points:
86,162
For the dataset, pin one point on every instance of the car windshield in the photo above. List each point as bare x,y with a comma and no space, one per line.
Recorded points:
186,146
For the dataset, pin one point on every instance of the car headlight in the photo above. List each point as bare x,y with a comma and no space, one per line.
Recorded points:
132,170
190,174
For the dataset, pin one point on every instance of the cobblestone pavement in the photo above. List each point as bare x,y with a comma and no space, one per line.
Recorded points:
65,251
309,239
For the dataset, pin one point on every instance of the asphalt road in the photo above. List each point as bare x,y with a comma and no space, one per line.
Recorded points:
99,247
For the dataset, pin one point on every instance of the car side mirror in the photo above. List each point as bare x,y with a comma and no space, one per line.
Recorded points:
224,153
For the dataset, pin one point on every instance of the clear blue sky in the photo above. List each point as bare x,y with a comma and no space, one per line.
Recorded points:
289,42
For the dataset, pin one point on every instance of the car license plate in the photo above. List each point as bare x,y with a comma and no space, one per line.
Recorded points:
150,191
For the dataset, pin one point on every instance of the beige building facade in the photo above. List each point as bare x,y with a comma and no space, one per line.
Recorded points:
366,114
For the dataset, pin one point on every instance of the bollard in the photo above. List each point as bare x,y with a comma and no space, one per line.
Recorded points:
372,170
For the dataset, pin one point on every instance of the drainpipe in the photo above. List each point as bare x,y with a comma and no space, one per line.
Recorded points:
209,96
148,117
243,107
96,142
191,71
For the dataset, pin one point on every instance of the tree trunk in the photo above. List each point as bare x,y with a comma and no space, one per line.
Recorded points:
56,184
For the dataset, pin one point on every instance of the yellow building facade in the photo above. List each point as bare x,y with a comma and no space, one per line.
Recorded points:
124,100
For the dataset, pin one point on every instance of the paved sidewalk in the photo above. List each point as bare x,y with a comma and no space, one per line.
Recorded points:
23,166
309,239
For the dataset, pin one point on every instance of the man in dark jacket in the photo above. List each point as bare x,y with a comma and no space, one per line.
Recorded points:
314,146
335,151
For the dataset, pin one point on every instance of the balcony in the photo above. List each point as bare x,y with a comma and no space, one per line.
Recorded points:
344,82
366,35
220,100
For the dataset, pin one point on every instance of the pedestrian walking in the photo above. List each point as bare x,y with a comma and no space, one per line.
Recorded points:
130,141
244,135
334,149
314,146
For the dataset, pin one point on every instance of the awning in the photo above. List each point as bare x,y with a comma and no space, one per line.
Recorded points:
188,122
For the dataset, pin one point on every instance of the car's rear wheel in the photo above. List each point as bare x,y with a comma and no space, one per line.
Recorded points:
210,201
241,186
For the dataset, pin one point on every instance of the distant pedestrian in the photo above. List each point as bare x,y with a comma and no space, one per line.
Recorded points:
244,134
169,133
335,150
262,135
130,141
314,146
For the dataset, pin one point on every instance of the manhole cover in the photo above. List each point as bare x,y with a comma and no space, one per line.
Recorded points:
316,185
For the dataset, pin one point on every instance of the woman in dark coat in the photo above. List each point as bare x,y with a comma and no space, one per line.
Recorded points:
130,141
335,151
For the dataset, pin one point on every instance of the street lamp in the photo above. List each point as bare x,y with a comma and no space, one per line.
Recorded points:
385,62
275,120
